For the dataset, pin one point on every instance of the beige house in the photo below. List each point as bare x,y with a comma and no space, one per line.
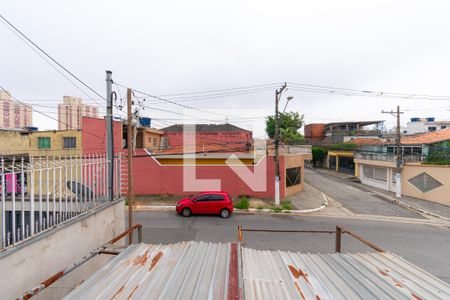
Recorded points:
376,166
55,143
72,110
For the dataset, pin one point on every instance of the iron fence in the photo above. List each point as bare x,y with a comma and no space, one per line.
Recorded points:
39,193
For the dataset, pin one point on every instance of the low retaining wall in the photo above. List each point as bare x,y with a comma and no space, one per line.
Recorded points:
33,261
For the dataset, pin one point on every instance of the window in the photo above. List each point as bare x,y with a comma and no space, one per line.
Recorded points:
202,198
70,142
417,150
443,127
293,176
407,150
432,128
216,197
155,142
44,143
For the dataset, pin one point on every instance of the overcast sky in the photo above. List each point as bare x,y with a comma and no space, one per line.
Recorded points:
165,47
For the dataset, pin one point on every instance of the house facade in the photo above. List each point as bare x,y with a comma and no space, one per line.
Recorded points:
228,136
170,172
375,165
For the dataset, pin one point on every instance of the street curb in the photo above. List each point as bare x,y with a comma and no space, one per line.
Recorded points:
250,210
405,205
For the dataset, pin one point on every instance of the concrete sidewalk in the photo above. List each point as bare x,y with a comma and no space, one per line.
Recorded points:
308,200
419,205
424,206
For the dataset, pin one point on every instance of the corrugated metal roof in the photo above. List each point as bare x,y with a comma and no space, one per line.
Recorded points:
288,275
187,270
199,270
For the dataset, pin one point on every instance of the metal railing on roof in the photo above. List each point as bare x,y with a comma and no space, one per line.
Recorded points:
39,193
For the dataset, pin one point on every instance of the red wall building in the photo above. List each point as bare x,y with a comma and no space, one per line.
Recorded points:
226,135
94,136
152,178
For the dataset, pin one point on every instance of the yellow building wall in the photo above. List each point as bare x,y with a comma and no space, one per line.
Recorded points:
57,143
148,140
292,161
338,154
13,142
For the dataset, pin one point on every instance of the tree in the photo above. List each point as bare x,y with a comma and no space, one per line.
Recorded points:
318,154
290,124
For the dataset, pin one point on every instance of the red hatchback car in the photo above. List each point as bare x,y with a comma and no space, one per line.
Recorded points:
206,203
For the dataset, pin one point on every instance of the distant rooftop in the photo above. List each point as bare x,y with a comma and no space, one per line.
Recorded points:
204,128
361,123
427,138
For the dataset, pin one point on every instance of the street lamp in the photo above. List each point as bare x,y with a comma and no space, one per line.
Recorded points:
289,98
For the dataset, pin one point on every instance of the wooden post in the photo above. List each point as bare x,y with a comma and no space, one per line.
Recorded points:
338,239
240,237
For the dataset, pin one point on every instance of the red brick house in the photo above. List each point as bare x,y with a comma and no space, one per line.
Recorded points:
207,136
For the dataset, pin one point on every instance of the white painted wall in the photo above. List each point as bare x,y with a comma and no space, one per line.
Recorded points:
373,182
44,255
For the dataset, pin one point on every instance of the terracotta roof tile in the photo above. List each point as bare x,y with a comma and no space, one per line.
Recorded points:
427,138
204,128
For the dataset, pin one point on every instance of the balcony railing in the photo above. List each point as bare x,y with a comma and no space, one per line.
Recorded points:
39,193
340,132
406,158
291,149
375,156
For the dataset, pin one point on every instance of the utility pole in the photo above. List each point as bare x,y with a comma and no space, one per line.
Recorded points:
109,135
398,152
130,164
277,144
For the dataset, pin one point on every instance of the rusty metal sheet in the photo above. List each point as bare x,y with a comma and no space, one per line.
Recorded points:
199,270
186,270
288,275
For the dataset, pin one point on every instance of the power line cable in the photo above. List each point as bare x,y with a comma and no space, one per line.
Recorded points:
50,57
175,103
42,113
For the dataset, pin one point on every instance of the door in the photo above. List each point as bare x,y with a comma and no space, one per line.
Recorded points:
201,205
217,202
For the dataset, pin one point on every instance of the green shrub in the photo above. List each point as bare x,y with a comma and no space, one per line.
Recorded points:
242,203
344,146
287,205
438,157
318,154
276,209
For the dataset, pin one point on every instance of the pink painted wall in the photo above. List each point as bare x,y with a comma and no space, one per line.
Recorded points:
94,135
150,178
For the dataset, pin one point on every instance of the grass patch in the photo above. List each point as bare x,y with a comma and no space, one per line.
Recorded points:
287,205
276,209
242,203
260,207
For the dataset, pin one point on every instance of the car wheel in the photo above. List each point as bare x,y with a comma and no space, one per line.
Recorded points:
224,213
186,212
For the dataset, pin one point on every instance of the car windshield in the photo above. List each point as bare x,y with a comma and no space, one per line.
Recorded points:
193,197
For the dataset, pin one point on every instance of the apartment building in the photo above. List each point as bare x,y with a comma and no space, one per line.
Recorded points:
72,110
13,115
422,125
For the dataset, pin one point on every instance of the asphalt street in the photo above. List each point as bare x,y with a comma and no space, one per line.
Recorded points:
425,245
355,197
